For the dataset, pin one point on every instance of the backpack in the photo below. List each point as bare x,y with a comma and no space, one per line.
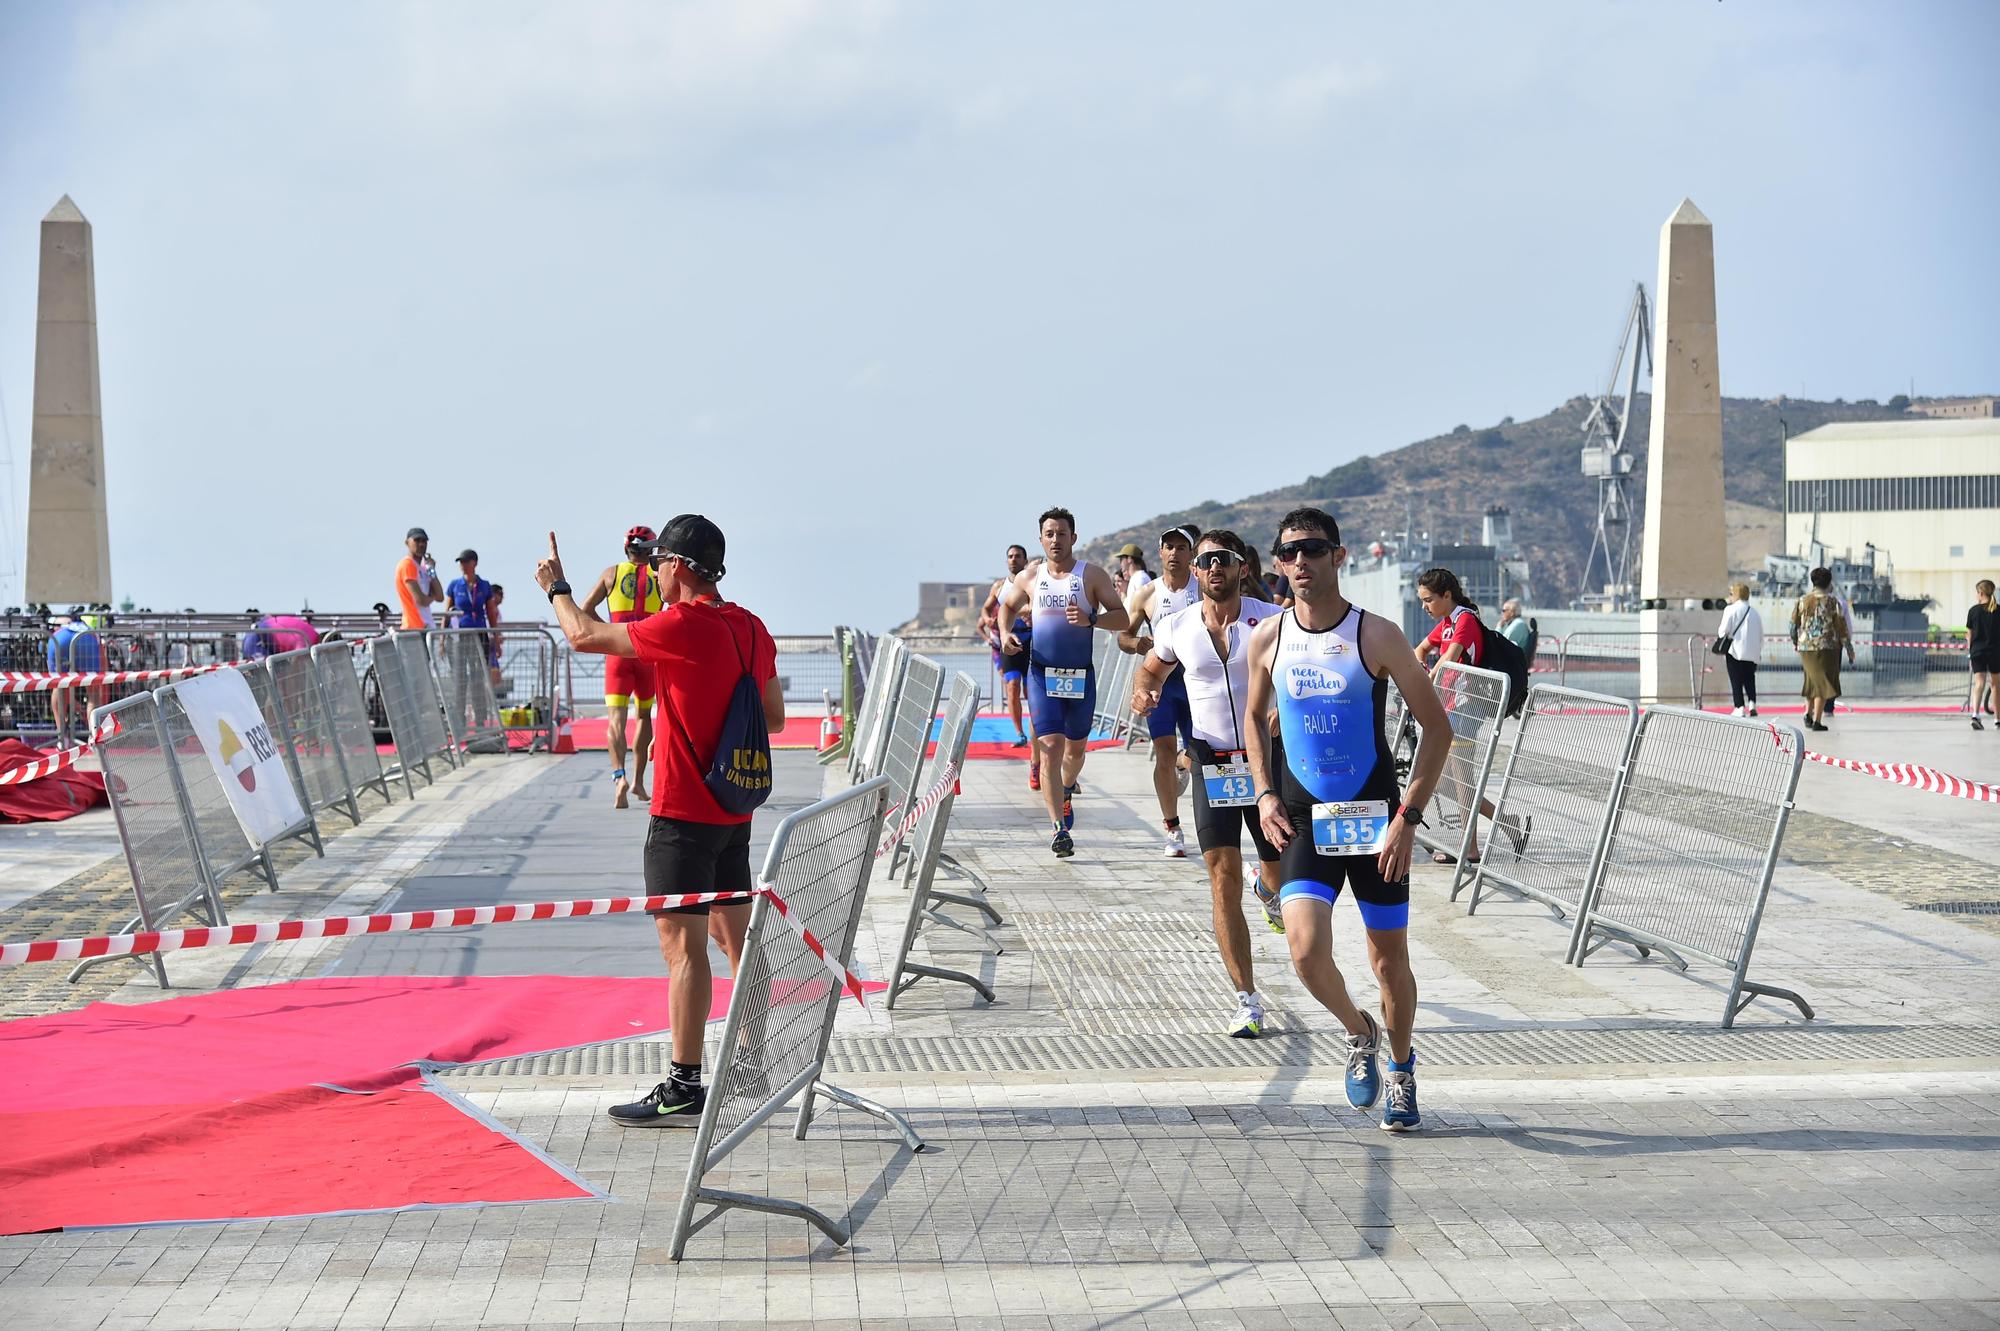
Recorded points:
1534,641
739,776
1503,655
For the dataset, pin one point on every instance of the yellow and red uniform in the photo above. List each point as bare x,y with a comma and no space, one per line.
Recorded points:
635,594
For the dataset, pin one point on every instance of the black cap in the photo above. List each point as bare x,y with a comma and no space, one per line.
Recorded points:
466,554
694,539
416,534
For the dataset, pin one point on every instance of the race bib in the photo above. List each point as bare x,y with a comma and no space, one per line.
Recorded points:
1227,785
1353,828
1059,682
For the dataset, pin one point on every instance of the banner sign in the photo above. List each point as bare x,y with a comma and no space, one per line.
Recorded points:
243,752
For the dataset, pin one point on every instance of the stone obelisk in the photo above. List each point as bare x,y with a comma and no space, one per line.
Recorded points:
69,540
1685,556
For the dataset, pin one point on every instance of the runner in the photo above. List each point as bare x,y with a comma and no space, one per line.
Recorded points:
1209,649
1326,794
1013,666
1459,635
633,590
1065,599
1155,601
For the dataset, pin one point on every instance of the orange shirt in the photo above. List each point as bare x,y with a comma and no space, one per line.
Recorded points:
407,572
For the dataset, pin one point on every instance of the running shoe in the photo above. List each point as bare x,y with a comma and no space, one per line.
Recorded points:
1977,724
671,1105
1399,1109
1069,807
1176,848
1034,776
1062,845
1751,710
1273,914
1020,740
1364,1071
1248,1023
1736,711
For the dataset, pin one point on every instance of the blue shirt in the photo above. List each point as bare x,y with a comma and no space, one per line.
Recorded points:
469,601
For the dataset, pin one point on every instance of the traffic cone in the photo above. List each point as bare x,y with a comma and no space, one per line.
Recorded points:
829,732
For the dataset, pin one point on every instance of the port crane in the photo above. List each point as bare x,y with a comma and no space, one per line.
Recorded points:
1607,460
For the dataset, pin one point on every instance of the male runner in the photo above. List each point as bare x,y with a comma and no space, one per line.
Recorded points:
633,590
1154,602
1065,600
1209,649
1013,666
1326,793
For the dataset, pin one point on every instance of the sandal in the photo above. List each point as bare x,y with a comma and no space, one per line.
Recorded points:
1439,857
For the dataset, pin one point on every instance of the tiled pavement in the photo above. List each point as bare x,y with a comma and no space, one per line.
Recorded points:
1662,1174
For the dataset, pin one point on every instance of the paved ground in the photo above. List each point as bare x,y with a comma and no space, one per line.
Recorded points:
1596,1152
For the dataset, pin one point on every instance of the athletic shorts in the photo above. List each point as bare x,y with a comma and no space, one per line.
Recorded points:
1304,872
1222,829
1013,665
1172,715
1984,663
1068,717
695,857
627,678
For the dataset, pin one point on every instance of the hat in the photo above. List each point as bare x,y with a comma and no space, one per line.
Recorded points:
466,554
1187,531
1130,550
416,534
695,540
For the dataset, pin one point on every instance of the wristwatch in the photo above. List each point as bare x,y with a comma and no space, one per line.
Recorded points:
558,588
1412,817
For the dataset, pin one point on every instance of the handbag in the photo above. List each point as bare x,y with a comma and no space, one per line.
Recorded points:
1719,644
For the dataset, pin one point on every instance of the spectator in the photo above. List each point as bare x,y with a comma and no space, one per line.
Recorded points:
1982,643
1459,635
496,616
74,647
1744,628
1514,628
417,584
469,596
1132,563
1819,632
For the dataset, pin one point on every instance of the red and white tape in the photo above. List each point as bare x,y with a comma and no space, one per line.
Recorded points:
917,811
1905,774
56,762
342,926
34,681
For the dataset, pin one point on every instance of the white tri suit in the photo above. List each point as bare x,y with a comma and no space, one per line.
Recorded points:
1172,713
1217,693
1333,770
1062,682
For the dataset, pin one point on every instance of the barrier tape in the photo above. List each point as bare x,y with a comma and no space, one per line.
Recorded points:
34,681
56,762
343,926
1905,774
919,809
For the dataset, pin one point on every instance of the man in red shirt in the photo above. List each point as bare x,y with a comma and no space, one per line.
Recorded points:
700,646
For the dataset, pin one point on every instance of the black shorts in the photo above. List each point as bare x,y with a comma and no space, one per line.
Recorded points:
1985,663
1014,665
1222,829
683,857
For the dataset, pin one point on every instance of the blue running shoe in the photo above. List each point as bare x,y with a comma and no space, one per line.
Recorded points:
1069,810
1364,1073
1062,845
1399,1109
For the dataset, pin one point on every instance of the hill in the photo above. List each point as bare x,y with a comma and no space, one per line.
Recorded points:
1446,482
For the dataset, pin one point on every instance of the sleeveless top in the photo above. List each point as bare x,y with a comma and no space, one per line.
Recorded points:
1055,641
635,593
1329,714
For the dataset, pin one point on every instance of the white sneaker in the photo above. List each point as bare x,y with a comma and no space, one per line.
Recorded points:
1273,916
1249,1021
1751,710
1176,848
1736,711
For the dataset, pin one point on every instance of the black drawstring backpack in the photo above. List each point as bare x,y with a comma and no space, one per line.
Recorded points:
739,777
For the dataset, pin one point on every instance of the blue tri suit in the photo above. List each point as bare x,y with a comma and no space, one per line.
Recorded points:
1060,646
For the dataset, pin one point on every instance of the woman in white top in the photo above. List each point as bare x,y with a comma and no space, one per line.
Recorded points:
1744,628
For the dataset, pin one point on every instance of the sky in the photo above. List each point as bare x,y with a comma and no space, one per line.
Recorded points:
871,284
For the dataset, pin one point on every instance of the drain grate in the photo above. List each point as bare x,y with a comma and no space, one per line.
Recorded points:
1960,907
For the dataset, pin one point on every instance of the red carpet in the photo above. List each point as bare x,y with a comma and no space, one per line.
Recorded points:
57,796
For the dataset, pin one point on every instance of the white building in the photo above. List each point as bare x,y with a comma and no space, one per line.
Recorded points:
1927,492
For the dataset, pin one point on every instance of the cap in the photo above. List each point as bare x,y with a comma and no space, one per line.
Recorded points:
695,539
1130,550
639,534
466,554
416,534
1187,531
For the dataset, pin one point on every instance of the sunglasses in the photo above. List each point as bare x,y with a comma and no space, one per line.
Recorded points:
1290,552
1217,559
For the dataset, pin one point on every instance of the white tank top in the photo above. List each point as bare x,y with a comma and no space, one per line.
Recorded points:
1167,601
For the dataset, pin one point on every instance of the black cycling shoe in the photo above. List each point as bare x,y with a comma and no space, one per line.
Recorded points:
670,1105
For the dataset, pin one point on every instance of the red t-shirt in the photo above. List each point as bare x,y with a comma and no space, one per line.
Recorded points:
1461,626
701,648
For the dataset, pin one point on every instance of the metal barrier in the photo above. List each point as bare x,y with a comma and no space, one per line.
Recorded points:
1562,780
909,735
466,688
1687,862
525,678
927,856
338,673
317,763
261,688
409,696
877,707
1476,701
226,848
782,1006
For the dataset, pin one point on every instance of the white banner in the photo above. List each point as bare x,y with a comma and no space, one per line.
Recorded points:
244,753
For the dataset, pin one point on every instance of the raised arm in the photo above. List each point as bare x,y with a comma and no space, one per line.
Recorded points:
585,631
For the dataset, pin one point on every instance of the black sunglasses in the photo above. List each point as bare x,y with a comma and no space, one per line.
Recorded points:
1217,559
1312,547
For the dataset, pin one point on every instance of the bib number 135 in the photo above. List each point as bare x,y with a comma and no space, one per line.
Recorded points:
1356,827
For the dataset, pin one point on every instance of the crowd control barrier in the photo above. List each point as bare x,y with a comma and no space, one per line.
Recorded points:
927,856
318,765
782,1006
908,736
877,706
339,674
1693,841
1561,784
466,688
409,696
1476,702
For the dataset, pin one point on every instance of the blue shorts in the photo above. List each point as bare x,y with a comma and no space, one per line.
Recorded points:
1068,717
1173,714
79,651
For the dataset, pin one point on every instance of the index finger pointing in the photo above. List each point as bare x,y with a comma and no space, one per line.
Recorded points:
552,546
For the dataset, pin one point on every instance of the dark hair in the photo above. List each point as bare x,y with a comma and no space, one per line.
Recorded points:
1822,578
1445,583
1060,513
1299,519
1018,546
496,589
1228,540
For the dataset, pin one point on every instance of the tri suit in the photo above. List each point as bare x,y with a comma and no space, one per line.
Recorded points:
1331,755
1013,665
1172,714
1062,683
1218,690
635,594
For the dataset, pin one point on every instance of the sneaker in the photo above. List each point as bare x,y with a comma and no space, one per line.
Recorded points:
1273,915
1364,1072
1736,711
1751,710
1176,848
1069,807
1399,1108
1034,776
1248,1023
1062,845
1020,740
1977,724
671,1105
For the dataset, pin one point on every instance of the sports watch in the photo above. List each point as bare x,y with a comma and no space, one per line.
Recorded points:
558,588
1412,817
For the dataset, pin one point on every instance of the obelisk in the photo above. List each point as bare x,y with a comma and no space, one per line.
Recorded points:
1685,555
69,540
